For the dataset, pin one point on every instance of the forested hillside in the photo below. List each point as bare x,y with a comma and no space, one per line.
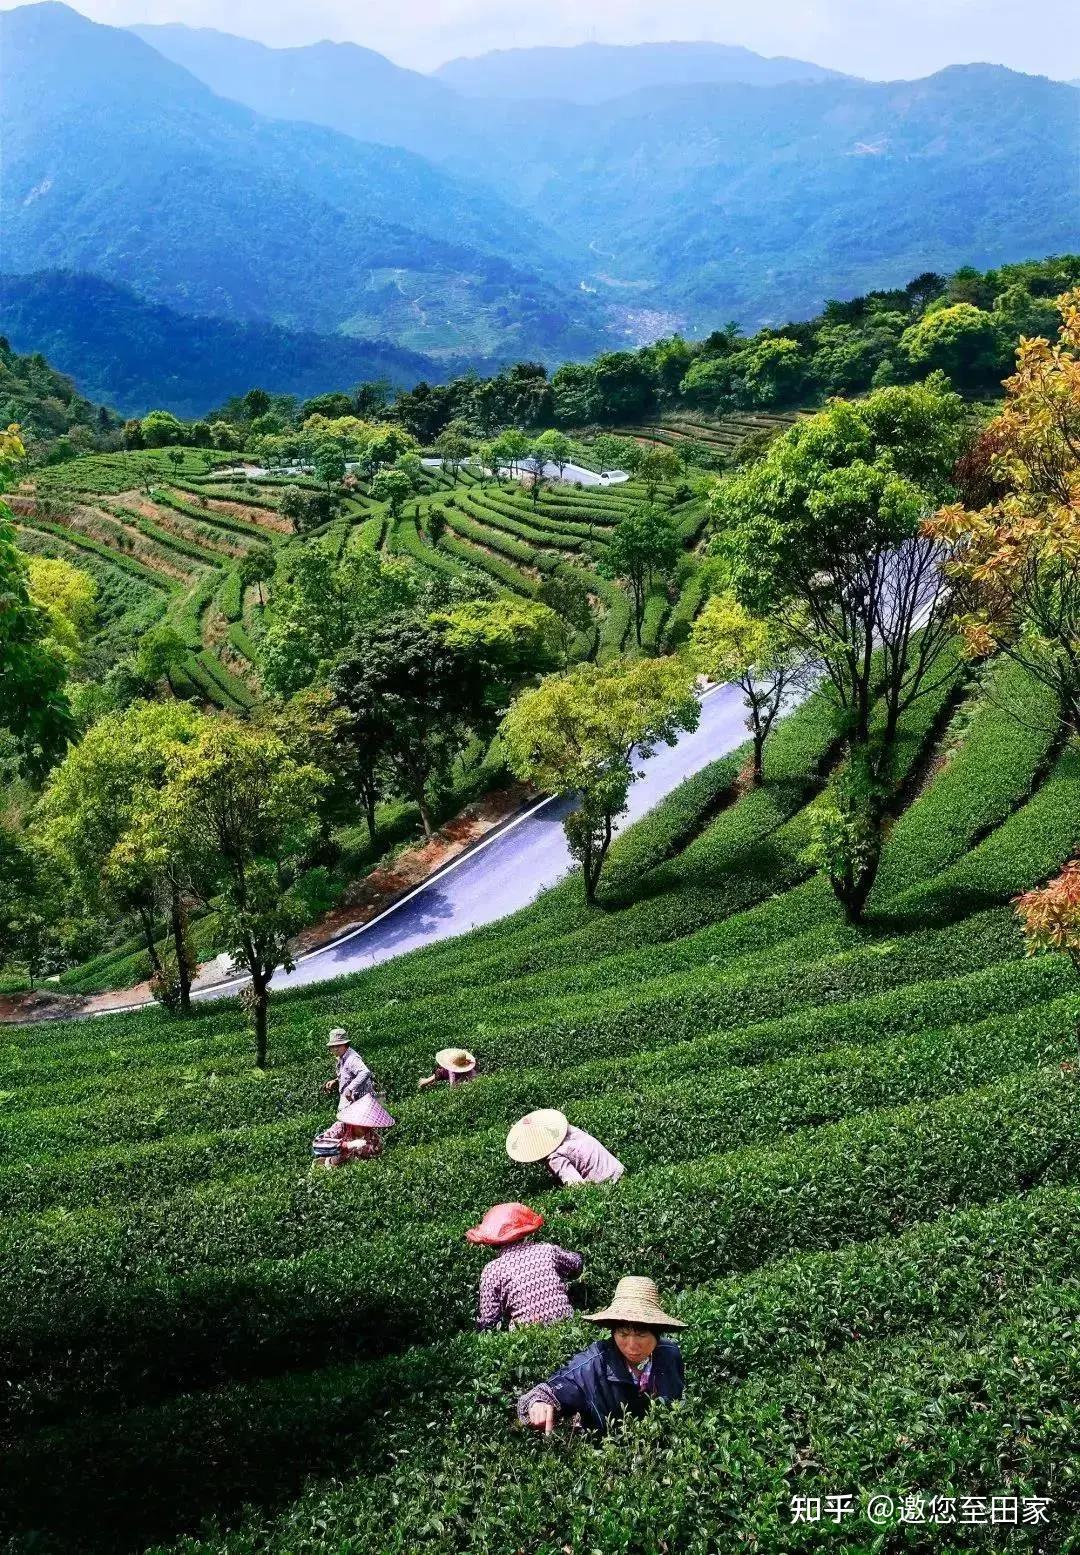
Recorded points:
822,1003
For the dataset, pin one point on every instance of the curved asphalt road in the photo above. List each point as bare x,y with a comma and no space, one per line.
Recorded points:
512,866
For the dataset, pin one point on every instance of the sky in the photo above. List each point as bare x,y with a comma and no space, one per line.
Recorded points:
880,39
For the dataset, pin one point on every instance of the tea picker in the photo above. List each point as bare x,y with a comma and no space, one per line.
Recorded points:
623,1374
570,1154
527,1281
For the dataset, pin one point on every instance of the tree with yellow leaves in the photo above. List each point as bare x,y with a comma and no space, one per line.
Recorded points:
1015,563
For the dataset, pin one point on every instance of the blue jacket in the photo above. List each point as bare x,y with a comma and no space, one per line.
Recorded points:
597,1383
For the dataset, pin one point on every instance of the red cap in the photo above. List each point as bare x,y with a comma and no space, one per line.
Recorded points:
505,1223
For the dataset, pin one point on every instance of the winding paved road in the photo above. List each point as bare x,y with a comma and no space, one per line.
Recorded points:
511,867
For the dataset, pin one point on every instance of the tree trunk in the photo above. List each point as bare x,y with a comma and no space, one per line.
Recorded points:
425,816
759,752
180,942
151,947
259,1013
369,813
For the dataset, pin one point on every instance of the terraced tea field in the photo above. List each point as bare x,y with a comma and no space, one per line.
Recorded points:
721,435
853,1165
164,540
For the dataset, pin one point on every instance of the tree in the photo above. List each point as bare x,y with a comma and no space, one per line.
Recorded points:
510,449
319,608
307,510
770,371
656,466
436,524
246,809
69,597
413,700
760,656
161,651
536,470
556,448
613,453
160,428
825,531
329,463
453,446
175,457
643,546
1015,563
34,708
257,567
508,638
581,733
959,341
1050,918
97,811
394,488
132,434
567,595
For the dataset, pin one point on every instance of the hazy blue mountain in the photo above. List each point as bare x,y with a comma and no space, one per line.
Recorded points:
117,162
139,355
759,203
597,72
340,85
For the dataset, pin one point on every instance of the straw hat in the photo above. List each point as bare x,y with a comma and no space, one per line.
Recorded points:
636,1300
505,1223
536,1135
365,1113
455,1058
339,1037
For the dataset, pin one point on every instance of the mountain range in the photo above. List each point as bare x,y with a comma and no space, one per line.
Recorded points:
473,215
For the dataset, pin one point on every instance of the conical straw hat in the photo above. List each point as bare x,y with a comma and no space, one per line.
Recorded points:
455,1058
536,1135
365,1113
636,1300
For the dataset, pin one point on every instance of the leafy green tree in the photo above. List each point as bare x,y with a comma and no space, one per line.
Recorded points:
176,459
95,812
307,510
567,595
615,453
511,447
582,732
643,547
453,446
162,651
133,434
394,488
556,448
414,700
826,532
959,341
771,372
69,597
160,428
246,811
329,463
535,467
761,657
34,708
657,466
318,609
436,524
508,639
257,567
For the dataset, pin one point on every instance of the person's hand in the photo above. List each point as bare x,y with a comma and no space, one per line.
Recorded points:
330,1085
542,1417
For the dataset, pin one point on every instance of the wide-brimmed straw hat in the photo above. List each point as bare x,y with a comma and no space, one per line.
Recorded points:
339,1037
536,1135
636,1300
365,1113
505,1223
455,1058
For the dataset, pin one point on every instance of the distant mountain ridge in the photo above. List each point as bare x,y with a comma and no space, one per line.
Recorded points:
119,163
598,72
140,356
345,195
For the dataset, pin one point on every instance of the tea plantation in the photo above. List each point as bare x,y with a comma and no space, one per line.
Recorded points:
853,1166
